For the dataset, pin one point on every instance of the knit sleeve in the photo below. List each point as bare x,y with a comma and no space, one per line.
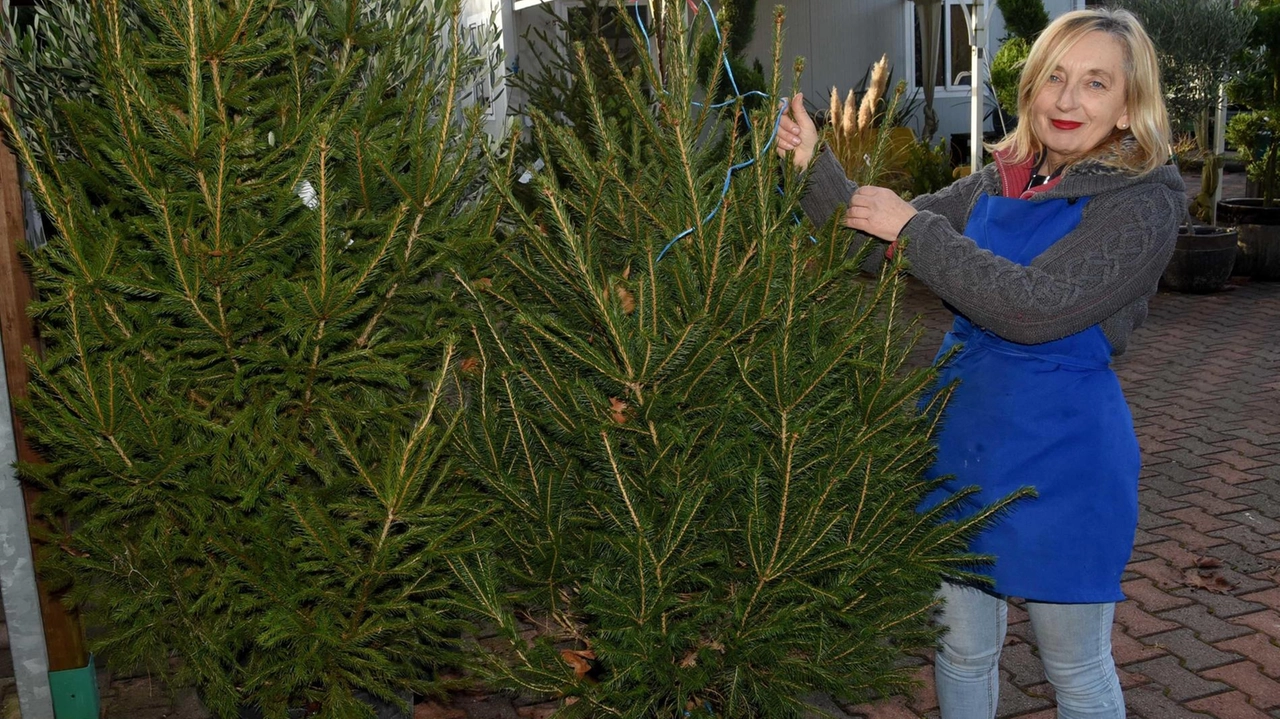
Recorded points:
827,188
954,201
1112,258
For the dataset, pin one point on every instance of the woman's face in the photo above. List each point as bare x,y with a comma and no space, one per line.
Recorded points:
1083,100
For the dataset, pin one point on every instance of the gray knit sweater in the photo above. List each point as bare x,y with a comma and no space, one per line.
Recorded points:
1102,272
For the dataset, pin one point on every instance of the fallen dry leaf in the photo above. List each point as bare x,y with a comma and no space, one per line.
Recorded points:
1208,581
1208,563
579,659
625,298
617,410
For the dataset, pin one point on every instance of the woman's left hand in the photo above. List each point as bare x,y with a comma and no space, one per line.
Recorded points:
878,212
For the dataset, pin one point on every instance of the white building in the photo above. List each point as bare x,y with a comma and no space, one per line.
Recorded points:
839,40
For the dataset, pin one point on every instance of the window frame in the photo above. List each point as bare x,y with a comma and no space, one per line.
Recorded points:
948,89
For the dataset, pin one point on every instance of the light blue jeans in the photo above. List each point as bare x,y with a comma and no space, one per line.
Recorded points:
1074,642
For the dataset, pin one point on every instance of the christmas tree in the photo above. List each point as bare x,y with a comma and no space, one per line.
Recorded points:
694,424
247,335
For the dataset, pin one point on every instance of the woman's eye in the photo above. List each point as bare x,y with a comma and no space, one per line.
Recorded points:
1054,78
1097,85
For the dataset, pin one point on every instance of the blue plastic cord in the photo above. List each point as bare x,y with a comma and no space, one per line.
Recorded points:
728,176
737,97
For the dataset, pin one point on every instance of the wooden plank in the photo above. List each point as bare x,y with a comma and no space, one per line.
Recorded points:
62,629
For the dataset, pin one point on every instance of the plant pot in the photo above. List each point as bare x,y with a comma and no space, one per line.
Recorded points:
1259,236
1202,259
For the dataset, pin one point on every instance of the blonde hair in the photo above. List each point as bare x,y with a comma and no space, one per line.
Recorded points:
1144,146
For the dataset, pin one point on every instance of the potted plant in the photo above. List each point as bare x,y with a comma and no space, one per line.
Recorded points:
1255,133
1199,45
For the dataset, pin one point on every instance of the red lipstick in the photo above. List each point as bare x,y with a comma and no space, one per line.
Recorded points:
1066,124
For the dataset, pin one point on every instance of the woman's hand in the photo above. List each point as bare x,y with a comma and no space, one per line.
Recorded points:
797,134
878,212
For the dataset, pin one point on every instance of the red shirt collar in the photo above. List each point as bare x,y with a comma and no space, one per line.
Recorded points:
1014,177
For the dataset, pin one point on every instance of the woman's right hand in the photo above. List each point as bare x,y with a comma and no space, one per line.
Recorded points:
797,134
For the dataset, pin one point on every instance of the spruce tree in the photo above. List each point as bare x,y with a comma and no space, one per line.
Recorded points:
246,334
695,426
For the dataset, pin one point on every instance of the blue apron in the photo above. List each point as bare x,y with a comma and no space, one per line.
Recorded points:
1049,416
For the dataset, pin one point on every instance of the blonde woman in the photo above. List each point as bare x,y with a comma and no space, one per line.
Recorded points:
1047,257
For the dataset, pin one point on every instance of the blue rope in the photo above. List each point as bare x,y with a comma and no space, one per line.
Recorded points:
738,96
728,176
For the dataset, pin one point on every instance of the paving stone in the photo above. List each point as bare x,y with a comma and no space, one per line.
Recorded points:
1195,654
1152,598
1257,521
1213,504
1171,480
1239,461
1220,605
1198,447
1181,683
1230,475
925,698
1250,540
1243,446
1023,665
1267,621
1020,633
1149,702
1207,627
895,708
1253,437
1150,520
1127,650
1129,680
1160,572
1136,556
1014,702
1266,485
1269,597
825,708
1189,537
1142,538
1199,519
1159,503
1138,623
1242,561
1213,436
1175,553
1263,691
1018,612
1259,649
1219,488
1228,705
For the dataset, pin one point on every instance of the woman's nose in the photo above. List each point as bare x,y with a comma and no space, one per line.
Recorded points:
1066,97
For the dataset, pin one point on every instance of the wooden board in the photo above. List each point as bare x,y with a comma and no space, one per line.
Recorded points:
64,635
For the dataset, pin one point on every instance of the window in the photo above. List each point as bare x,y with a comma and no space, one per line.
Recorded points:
954,55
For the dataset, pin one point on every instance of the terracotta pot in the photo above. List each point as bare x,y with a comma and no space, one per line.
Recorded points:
1202,259
1259,230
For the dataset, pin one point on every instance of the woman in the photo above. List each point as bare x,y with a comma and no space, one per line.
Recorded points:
1047,256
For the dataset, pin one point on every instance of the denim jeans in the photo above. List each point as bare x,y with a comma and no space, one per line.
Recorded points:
1074,641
